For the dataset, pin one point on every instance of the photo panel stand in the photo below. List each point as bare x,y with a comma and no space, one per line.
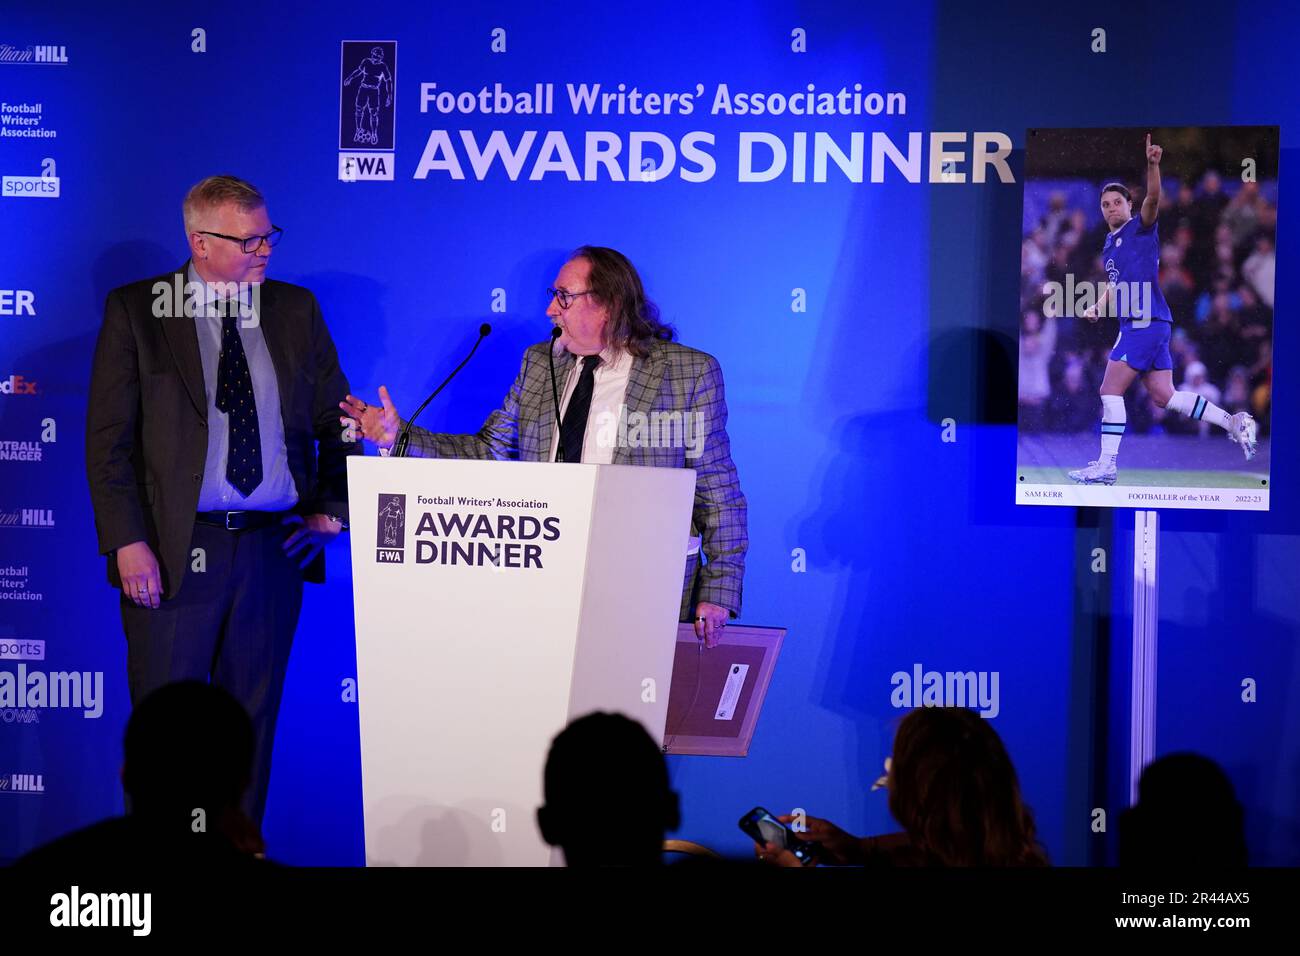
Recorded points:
1146,627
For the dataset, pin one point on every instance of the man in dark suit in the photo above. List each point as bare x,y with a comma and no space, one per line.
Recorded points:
627,395
211,390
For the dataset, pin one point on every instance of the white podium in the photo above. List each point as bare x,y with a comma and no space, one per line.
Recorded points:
496,601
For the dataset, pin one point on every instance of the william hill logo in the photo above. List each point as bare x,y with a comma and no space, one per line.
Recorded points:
27,518
38,55
391,531
22,783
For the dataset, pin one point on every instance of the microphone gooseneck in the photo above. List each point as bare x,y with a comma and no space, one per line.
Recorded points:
404,439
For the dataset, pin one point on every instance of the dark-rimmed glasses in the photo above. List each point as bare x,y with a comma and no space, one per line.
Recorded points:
271,238
566,298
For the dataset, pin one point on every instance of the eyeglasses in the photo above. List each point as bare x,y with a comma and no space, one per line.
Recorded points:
566,298
271,239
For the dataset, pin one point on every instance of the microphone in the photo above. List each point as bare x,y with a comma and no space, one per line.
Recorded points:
404,439
555,393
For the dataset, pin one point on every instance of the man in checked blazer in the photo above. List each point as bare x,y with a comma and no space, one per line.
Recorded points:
617,369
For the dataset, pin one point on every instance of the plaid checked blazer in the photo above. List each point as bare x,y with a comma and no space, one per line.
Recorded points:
671,378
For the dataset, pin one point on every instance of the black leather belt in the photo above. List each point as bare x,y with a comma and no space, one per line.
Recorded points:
240,520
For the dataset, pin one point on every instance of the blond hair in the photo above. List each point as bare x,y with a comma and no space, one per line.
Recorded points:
214,191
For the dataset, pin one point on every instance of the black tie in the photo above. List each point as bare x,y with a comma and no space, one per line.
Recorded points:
574,425
235,398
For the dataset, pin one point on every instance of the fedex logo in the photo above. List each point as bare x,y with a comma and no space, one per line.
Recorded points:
17,385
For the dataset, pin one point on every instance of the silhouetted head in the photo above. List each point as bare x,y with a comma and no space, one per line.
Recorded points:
188,745
607,799
1187,815
954,790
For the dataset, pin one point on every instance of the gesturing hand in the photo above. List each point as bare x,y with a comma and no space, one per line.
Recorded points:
378,424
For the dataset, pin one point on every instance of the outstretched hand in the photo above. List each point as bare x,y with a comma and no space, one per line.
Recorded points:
378,424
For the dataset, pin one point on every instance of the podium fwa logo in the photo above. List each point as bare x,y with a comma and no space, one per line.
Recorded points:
977,690
367,109
391,530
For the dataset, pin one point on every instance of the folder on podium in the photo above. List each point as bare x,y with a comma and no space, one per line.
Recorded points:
494,602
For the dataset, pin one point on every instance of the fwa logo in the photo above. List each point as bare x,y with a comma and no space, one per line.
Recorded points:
367,110
391,531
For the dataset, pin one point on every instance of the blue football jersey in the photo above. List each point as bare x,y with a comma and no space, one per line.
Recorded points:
1131,257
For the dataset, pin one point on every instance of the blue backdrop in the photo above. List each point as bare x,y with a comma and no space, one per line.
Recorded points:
878,544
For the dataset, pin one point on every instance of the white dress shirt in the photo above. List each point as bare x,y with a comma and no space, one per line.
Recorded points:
609,390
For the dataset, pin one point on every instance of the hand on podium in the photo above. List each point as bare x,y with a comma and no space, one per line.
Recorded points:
378,424
710,619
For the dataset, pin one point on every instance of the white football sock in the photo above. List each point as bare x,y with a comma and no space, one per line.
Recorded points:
1198,409
1113,420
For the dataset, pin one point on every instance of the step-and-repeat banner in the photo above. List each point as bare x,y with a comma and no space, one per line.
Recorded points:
831,199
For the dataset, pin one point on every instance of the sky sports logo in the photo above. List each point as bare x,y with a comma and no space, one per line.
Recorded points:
30,187
21,649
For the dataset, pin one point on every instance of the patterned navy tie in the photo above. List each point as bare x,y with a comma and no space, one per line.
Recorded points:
574,426
235,398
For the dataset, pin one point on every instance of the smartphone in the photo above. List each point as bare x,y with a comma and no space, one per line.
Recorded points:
762,827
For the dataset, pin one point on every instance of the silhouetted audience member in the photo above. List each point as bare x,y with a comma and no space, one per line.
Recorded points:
608,802
187,762
953,789
1187,815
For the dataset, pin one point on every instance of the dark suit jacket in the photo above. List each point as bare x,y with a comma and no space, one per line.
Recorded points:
671,378
147,423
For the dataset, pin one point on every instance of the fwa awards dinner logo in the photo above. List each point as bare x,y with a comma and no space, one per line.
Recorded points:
391,530
367,109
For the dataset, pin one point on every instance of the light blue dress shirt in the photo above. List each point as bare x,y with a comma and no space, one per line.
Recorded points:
277,491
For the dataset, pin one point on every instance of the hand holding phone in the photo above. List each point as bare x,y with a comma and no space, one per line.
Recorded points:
763,828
